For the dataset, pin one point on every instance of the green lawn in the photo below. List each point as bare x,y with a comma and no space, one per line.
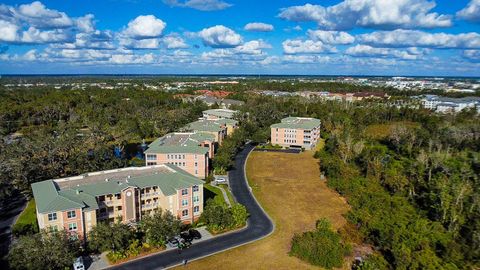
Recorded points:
211,192
229,194
27,221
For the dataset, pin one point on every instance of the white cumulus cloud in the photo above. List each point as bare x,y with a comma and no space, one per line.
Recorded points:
415,38
203,5
38,16
380,14
331,37
144,27
471,12
258,27
298,46
368,51
219,36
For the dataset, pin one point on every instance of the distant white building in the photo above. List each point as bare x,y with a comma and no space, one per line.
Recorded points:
449,105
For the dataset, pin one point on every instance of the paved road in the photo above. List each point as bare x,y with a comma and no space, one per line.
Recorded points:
8,216
259,226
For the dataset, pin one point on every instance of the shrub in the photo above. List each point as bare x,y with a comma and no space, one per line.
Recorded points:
219,217
322,247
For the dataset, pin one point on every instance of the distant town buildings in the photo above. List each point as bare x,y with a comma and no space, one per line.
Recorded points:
449,105
324,95
76,204
296,132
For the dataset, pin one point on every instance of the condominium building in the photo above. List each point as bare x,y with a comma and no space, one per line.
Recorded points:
296,132
76,204
449,105
190,151
218,128
215,114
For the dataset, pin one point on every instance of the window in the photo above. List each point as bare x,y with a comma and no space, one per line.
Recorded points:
196,199
195,156
183,156
53,228
151,163
151,157
185,213
52,216
184,202
196,164
71,214
184,191
196,171
195,188
72,226
196,209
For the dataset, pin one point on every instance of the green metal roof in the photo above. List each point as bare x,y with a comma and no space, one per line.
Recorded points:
180,143
205,126
223,113
227,122
50,198
297,123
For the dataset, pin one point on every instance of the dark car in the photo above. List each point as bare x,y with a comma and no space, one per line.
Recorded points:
195,234
186,236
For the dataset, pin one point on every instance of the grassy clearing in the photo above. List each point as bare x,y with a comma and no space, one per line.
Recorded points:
380,131
27,221
211,192
289,188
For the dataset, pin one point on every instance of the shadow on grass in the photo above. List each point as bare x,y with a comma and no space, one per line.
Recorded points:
208,194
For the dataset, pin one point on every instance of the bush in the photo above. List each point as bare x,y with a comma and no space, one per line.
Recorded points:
219,217
322,247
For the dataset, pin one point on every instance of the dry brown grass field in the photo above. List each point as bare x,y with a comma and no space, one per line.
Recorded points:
289,188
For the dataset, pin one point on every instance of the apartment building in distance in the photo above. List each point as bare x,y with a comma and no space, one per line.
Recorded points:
449,105
296,132
191,151
214,114
76,204
218,128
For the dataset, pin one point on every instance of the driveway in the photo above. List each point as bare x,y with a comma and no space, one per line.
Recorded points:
259,226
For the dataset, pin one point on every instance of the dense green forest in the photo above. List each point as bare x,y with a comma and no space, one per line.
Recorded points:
68,132
411,177
414,190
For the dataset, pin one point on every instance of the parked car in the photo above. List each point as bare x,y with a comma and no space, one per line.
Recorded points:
186,236
221,180
78,264
195,234
173,242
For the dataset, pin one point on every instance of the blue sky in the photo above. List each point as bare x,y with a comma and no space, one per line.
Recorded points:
350,37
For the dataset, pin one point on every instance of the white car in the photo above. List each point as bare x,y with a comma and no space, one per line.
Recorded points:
221,180
78,264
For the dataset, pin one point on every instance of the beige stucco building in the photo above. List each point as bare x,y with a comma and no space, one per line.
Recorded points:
296,132
190,151
76,204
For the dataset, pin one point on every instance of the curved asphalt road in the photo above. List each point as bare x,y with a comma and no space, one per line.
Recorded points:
259,226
